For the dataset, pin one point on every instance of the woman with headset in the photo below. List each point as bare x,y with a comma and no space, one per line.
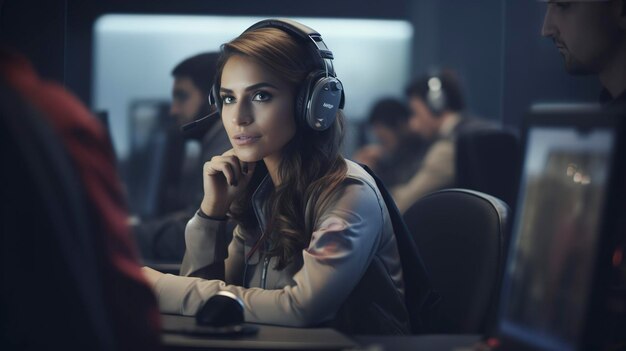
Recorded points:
314,243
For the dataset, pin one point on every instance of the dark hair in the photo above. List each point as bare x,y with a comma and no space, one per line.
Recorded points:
389,112
200,69
449,85
311,168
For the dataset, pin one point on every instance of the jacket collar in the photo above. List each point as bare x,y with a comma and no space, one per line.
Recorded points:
259,198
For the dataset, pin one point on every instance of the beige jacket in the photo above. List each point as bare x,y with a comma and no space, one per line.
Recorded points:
437,170
349,277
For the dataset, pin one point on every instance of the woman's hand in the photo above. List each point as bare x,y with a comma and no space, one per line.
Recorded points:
224,178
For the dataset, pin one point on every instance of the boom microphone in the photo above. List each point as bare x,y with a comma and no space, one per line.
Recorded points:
200,122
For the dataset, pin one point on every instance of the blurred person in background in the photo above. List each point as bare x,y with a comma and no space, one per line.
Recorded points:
398,152
437,115
162,239
193,79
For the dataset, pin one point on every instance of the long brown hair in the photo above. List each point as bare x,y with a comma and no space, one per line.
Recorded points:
311,168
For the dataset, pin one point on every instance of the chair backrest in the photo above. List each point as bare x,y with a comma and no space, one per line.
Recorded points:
488,161
461,235
419,294
52,294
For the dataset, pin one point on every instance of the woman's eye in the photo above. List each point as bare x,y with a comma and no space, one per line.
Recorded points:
227,99
261,96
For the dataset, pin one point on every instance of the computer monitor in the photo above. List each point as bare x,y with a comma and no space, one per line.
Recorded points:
569,172
153,168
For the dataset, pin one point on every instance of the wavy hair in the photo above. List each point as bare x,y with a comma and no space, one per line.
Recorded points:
311,168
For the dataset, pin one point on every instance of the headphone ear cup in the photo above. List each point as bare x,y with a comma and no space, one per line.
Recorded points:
302,100
319,100
436,101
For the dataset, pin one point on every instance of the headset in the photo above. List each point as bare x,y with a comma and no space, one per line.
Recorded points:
321,94
436,99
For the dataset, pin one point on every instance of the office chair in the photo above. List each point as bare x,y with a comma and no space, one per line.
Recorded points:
489,161
461,236
420,297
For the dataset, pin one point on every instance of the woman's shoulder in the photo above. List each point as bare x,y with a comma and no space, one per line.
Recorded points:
357,174
359,184
354,200
358,190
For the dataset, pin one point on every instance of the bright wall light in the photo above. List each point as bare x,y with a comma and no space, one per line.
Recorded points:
134,55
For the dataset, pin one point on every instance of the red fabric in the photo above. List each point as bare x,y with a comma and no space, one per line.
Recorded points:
130,301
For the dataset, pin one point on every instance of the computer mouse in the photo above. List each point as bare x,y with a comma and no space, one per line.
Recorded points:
221,310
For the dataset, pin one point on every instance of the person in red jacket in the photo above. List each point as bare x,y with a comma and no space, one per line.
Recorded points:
129,300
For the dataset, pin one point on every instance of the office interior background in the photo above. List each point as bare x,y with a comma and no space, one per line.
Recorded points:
115,55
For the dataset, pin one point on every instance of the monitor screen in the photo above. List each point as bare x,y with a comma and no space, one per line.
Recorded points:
551,259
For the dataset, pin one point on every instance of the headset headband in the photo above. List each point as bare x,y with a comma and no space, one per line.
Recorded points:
321,94
304,34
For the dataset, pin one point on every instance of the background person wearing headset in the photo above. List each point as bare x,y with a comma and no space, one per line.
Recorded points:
437,115
313,229
398,152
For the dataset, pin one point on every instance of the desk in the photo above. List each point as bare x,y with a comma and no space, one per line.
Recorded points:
283,338
418,342
268,338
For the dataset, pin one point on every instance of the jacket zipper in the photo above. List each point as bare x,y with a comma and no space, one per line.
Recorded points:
266,263
261,240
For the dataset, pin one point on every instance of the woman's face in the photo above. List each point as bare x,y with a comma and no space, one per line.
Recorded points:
257,109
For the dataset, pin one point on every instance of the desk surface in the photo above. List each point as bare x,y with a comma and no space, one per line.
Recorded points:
268,338
283,338
419,342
